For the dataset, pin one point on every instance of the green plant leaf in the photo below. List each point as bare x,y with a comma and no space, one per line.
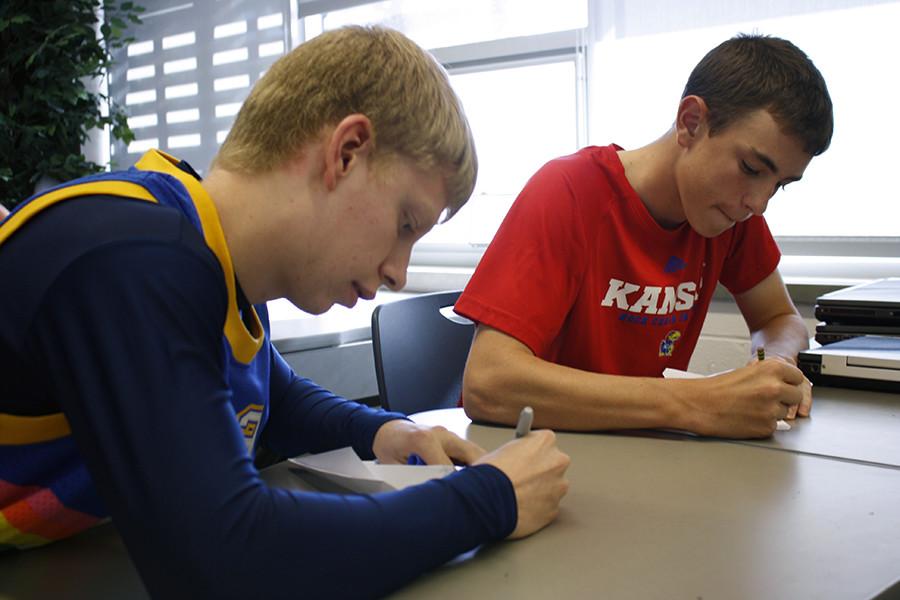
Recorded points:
49,48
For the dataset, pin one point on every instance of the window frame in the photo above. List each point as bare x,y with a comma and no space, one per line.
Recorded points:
805,257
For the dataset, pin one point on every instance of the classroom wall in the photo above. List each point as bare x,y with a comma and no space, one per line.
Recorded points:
347,370
724,340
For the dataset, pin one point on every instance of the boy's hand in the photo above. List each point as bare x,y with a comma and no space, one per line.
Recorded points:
744,403
396,440
536,468
803,409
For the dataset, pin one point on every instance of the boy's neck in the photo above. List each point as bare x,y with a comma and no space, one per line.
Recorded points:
651,172
250,211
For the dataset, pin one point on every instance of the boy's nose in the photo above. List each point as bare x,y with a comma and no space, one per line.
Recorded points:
757,202
393,270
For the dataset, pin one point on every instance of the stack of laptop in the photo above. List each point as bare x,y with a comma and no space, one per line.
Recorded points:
860,337
866,309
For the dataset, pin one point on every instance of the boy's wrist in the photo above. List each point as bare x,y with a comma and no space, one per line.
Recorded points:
686,395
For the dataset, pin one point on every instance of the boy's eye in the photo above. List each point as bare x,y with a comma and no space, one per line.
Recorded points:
746,168
409,225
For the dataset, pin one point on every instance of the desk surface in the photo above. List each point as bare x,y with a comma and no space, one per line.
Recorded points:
847,424
691,518
646,517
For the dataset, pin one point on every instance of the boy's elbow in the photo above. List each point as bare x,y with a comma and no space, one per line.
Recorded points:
483,395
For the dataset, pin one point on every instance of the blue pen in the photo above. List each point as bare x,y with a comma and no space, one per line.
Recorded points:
415,459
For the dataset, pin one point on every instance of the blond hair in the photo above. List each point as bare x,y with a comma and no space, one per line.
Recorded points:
373,71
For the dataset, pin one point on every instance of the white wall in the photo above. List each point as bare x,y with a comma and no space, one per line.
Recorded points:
724,340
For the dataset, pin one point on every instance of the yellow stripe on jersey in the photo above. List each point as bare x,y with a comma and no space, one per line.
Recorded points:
19,430
105,188
15,429
244,343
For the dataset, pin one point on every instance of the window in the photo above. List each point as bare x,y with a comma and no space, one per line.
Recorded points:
617,78
540,79
842,189
445,23
191,65
518,67
842,222
514,137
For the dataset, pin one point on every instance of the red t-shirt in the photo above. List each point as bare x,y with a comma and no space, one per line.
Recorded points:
583,275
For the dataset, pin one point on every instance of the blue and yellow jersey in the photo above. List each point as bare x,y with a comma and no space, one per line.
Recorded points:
46,491
134,377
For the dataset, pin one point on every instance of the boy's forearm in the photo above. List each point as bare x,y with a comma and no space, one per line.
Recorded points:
502,376
566,398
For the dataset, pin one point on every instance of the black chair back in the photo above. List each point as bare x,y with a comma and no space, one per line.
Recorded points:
420,353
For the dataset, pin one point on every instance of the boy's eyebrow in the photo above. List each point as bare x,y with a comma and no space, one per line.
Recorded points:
764,159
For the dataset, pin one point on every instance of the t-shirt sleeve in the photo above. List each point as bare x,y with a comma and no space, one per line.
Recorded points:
529,276
752,256
133,338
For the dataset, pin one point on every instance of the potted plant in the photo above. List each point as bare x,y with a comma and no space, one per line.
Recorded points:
52,50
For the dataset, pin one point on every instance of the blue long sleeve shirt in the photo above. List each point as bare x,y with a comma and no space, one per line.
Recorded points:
112,312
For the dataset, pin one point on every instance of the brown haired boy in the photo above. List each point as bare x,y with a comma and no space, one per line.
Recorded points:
601,274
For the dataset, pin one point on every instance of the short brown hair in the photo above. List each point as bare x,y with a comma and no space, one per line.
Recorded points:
749,72
373,71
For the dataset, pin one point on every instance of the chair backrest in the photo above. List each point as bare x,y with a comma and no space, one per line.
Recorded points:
420,353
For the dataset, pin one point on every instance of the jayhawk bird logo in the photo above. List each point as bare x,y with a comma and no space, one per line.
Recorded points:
667,345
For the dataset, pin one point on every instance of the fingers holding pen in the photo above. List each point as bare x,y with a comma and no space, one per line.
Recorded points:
536,467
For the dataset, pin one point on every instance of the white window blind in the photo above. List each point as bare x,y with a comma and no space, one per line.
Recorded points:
191,65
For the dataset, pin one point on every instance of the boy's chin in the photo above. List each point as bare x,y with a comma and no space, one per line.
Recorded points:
711,230
315,306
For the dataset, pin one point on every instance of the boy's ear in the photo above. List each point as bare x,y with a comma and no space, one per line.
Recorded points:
349,142
691,120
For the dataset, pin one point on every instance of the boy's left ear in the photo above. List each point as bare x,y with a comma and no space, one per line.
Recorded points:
690,123
349,143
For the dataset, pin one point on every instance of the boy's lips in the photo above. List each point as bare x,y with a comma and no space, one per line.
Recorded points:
734,219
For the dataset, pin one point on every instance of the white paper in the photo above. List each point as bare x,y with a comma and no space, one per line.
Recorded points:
781,425
347,470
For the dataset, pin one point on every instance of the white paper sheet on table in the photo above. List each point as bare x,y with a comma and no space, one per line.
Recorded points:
781,425
347,470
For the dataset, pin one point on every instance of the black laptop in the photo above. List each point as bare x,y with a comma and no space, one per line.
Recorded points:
876,303
827,333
